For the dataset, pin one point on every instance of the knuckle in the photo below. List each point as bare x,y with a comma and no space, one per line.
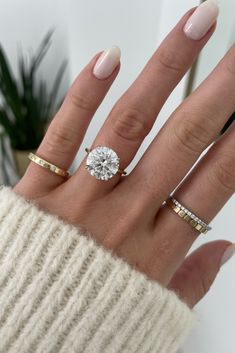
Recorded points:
171,61
131,125
222,173
59,140
81,102
190,135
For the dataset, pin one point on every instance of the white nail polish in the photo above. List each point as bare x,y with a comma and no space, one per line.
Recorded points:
229,253
202,20
107,63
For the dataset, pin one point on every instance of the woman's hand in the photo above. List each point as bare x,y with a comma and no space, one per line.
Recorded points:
126,213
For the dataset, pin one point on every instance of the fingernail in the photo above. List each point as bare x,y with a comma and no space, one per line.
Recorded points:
201,20
229,253
107,63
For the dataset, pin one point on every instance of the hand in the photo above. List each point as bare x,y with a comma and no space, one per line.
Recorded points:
126,214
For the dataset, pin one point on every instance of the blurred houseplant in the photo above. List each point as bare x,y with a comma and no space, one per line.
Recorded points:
26,103
8,173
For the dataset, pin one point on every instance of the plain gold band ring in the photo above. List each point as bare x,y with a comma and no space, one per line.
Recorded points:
47,165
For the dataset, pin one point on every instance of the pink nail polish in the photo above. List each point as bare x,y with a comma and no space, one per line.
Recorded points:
229,253
201,20
107,63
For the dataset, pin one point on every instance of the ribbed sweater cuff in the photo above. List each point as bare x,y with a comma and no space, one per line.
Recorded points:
61,292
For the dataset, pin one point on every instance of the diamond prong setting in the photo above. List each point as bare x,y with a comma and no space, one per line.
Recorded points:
102,162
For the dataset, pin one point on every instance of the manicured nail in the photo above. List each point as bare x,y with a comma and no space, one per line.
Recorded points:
107,63
229,253
202,20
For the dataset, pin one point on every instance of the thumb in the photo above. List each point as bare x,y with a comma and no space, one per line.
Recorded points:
194,278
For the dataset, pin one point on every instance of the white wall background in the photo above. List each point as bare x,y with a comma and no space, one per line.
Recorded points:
137,26
220,42
24,23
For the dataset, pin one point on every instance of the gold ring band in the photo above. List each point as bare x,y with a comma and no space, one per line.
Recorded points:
47,165
187,215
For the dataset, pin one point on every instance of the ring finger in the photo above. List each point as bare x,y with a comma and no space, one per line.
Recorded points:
189,131
205,191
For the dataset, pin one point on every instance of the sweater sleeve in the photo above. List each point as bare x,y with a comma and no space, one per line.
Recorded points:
61,292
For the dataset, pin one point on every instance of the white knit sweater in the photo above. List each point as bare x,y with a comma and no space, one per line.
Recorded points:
61,292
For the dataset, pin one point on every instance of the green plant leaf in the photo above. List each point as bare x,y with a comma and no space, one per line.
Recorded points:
5,122
8,126
27,103
8,85
41,52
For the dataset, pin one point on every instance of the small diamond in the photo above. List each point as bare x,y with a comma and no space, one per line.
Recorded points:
102,163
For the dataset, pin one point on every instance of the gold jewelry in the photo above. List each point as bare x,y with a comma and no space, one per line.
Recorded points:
187,215
103,163
47,165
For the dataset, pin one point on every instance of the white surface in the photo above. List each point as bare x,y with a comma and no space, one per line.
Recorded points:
137,26
24,23
222,39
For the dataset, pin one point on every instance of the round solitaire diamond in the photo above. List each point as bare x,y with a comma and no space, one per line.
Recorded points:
102,163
